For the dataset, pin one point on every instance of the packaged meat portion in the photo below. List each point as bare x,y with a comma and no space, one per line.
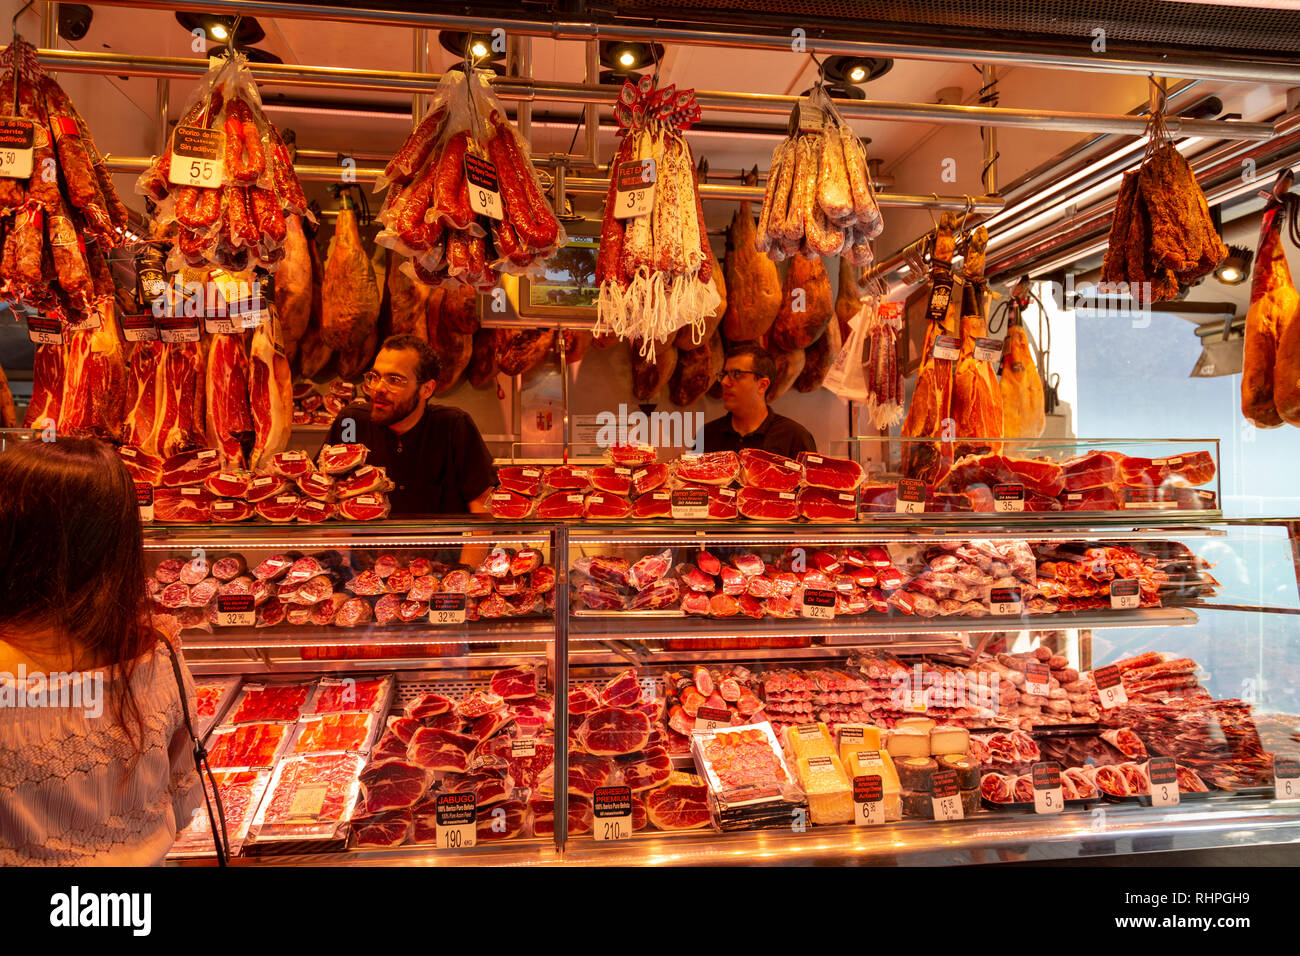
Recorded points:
349,732
270,702
241,793
247,745
310,796
346,695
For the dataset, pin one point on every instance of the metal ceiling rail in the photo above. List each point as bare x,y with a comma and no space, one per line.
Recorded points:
529,90
590,186
1009,52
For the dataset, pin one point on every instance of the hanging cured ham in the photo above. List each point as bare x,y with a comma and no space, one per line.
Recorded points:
928,414
47,387
976,393
293,286
411,302
94,382
270,396
229,419
313,352
1024,414
806,305
1272,319
848,297
753,286
143,371
8,412
349,296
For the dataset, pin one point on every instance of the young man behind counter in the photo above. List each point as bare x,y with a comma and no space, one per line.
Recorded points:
746,378
434,454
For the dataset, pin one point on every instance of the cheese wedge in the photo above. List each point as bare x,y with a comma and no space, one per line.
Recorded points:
830,796
871,763
949,740
923,724
907,742
853,737
809,740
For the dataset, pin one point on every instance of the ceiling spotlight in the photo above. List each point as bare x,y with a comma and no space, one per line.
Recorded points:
476,46
479,49
856,69
74,20
219,28
625,57
218,31
1235,269
857,74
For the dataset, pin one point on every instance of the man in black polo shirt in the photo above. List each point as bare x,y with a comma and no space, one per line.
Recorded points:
747,377
433,453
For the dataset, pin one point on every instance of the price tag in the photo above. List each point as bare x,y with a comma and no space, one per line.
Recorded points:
1005,601
484,190
1008,497
92,321
522,747
531,473
178,328
1163,772
911,496
235,610
1037,677
947,347
1110,686
945,796
307,803
17,137
1146,499
818,604
43,330
690,504
988,350
1125,594
139,328
222,324
447,608
711,718
635,190
144,498
1286,778
868,801
612,809
456,820
197,157
1048,796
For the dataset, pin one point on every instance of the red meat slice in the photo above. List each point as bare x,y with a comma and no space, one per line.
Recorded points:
656,597
631,454
750,606
392,785
603,506
997,788
514,683
190,467
649,478
762,469
778,606
623,690
504,821
231,509
428,705
587,772
568,478
534,715
440,749
340,459
1105,498
525,561
390,747
521,479
611,571
387,829
614,479
723,605
225,484
264,487
191,505
354,612
1090,471
708,563
583,700
478,703
598,597
542,805
649,569
680,804
509,506
733,582
695,579
658,504
835,474
611,732
1037,475
695,602
280,509
647,769
765,505
364,481
365,508
715,468
819,504
724,504
561,506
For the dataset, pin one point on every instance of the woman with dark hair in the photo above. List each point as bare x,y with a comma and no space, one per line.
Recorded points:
95,759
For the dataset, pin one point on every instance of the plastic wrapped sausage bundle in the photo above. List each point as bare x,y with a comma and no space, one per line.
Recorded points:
655,267
819,200
226,179
464,202
57,222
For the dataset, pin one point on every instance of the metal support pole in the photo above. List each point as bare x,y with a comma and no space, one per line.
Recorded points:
591,112
524,113
989,134
49,25
162,93
419,64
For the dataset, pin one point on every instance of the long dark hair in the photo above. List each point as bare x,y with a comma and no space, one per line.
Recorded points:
72,561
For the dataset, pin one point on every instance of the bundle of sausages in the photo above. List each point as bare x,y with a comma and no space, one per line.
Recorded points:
884,324
466,205
58,221
819,200
233,181
655,269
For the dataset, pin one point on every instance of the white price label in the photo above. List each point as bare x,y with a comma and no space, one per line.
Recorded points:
1125,594
1038,678
1007,498
909,507
456,821
947,347
1164,781
197,157
17,137
1005,602
635,191
868,801
222,325
1286,778
819,604
447,609
42,330
235,610
988,350
947,808
1110,687
1048,795
710,718
144,498
484,188
611,809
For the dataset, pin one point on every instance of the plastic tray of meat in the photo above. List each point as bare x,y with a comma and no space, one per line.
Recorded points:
270,702
241,793
336,733
750,785
348,695
311,796
213,697
250,746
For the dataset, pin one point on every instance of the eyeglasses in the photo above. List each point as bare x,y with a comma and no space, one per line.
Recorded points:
372,381
731,373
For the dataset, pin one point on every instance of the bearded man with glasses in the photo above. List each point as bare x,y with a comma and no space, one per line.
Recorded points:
433,453
747,377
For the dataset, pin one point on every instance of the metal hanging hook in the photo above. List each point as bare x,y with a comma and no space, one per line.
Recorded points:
970,206
13,24
234,29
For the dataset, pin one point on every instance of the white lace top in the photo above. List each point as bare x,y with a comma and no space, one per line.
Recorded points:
68,795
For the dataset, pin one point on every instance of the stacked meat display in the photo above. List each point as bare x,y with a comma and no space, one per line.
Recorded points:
198,486
439,210
226,179
326,588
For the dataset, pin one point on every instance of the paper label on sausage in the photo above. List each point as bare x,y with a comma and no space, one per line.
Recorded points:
43,330
484,188
198,157
988,350
17,138
635,188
